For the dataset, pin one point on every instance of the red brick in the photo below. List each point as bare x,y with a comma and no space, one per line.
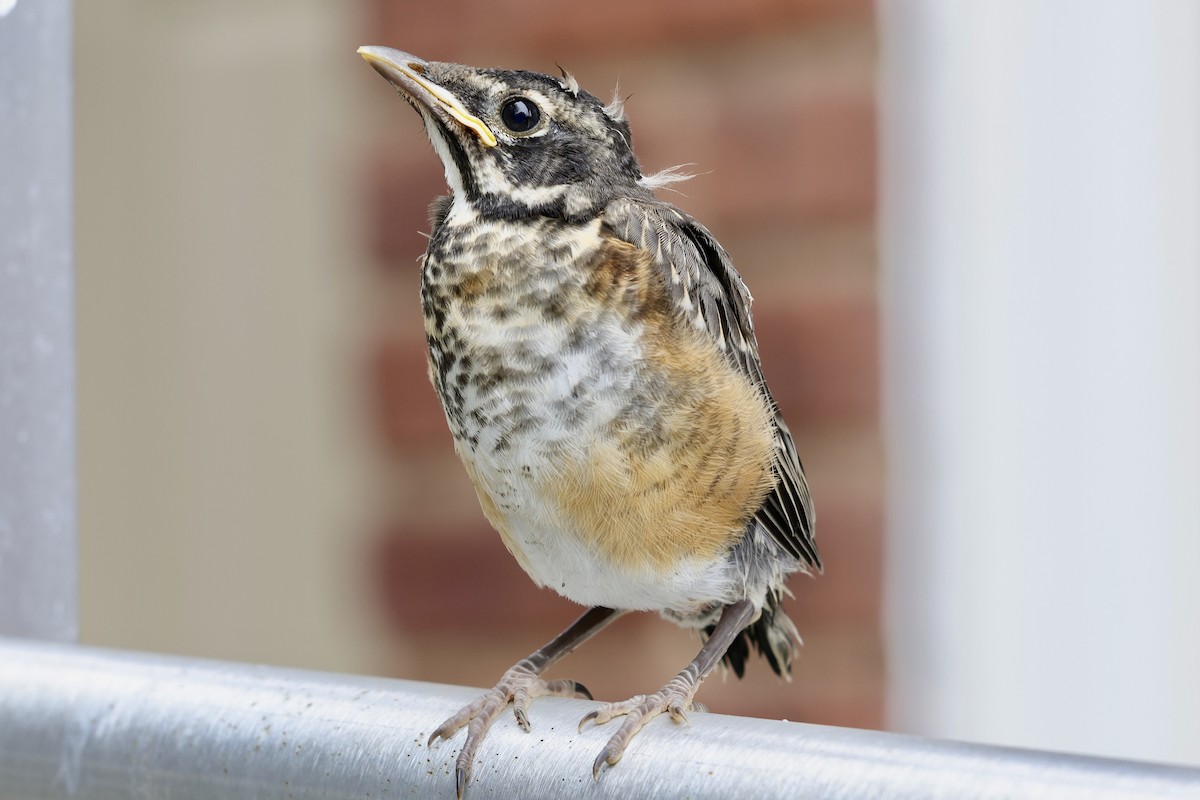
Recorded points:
762,159
814,159
792,261
404,406
850,591
821,357
458,29
399,189
428,579
774,102
436,494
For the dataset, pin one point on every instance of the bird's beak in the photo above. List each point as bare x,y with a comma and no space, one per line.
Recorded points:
407,73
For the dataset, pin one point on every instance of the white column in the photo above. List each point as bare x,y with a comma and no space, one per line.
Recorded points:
1041,209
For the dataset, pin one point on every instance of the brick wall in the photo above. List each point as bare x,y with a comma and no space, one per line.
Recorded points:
774,102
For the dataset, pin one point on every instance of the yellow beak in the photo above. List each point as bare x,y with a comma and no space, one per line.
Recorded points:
407,73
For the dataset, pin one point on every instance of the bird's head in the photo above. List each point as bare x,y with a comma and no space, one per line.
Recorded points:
517,143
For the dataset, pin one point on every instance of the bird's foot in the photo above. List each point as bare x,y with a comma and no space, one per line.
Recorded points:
675,699
520,685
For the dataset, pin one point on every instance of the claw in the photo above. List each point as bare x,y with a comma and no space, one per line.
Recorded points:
460,781
582,692
519,686
599,763
609,711
439,734
672,700
675,698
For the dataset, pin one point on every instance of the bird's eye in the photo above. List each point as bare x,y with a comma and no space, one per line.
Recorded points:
520,115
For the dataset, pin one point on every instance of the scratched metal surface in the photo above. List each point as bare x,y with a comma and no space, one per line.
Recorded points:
88,723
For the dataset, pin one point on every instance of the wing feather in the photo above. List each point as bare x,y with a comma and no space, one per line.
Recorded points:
708,292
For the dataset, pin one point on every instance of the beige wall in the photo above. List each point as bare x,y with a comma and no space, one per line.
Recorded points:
219,283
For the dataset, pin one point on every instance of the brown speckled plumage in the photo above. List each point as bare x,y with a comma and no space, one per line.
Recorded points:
593,350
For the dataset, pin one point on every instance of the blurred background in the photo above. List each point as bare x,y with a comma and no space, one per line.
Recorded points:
1009,299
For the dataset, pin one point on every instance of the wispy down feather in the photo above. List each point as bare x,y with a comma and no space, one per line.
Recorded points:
668,176
615,110
568,82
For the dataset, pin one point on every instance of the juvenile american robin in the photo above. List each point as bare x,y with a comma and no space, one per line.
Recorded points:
593,350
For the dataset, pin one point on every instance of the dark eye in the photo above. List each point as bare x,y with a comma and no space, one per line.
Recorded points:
520,115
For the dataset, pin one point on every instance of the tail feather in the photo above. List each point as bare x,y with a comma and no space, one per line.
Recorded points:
773,635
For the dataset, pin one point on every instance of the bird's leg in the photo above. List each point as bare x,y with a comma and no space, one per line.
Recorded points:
520,684
675,698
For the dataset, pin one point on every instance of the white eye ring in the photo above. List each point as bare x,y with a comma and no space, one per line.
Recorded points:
520,115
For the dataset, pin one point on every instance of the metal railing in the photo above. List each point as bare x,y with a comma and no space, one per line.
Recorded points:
97,724
37,326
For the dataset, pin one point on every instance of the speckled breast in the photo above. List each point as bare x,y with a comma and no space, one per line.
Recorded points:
610,444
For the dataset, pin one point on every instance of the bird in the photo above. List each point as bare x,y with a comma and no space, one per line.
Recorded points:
594,353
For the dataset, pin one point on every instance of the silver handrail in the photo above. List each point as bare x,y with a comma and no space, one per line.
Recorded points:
82,722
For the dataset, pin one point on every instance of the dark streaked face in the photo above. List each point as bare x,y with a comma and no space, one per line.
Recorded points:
517,143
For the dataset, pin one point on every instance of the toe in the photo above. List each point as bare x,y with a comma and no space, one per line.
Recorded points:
446,729
609,755
461,774
678,713
608,711
638,712
522,718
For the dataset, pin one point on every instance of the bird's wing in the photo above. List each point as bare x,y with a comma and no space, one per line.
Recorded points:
706,290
